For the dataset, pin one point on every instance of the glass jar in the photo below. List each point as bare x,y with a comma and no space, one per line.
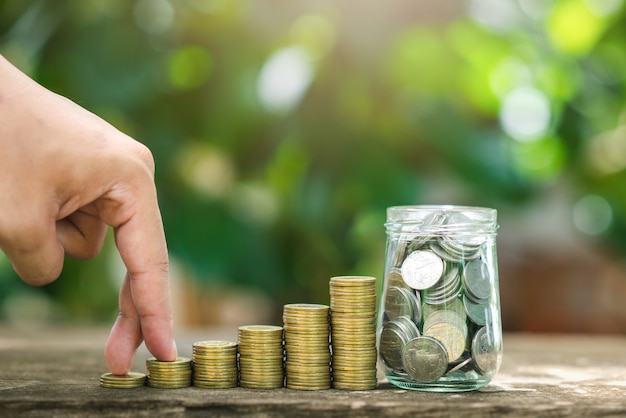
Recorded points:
439,325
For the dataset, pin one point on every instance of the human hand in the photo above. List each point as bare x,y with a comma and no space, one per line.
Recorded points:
65,176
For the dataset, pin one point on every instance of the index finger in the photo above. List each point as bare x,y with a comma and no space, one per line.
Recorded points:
142,246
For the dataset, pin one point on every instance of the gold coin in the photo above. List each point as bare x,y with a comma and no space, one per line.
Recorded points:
261,329
217,366
316,376
261,385
128,381
224,379
352,280
215,345
307,387
305,307
179,361
354,386
215,385
169,386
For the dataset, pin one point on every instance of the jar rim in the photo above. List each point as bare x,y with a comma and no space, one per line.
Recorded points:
407,210
474,219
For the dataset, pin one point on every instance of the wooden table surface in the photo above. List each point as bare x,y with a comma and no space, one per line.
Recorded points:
55,372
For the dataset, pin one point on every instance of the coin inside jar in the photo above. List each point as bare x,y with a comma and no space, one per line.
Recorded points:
484,352
476,280
422,269
425,359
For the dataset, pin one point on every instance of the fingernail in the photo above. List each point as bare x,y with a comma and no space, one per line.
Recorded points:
174,348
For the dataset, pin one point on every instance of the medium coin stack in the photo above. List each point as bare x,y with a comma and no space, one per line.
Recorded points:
127,381
261,357
169,374
436,304
307,346
353,332
215,364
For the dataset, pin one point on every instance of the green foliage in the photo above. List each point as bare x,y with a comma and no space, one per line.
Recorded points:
397,112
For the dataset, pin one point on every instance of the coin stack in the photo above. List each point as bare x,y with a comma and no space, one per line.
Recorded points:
127,381
215,364
169,374
353,332
261,357
307,346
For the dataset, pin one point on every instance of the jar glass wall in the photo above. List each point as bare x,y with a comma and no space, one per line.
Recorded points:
439,325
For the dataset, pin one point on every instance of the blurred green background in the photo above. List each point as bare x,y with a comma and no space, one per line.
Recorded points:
281,131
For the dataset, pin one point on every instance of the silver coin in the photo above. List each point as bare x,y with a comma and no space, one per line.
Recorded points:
398,303
455,305
400,252
422,269
484,352
451,336
424,359
430,227
476,280
447,316
451,256
458,367
392,341
394,278
416,302
447,288
477,312
408,327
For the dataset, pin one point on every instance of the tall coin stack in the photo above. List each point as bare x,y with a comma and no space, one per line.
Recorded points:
169,374
261,357
307,346
353,332
215,364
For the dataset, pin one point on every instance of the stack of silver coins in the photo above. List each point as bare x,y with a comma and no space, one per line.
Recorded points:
169,374
261,357
127,381
353,332
215,364
436,305
307,346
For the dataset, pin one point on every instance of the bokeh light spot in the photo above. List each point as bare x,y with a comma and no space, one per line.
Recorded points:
508,74
154,16
314,33
284,79
525,114
189,67
573,28
207,170
604,8
607,152
254,203
498,15
540,160
592,215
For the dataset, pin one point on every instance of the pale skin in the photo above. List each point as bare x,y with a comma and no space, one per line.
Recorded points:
65,177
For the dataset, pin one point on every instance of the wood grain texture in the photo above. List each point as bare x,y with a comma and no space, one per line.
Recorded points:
56,372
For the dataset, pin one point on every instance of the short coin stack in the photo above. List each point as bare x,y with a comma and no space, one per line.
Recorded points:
261,357
215,364
307,346
128,381
353,332
169,374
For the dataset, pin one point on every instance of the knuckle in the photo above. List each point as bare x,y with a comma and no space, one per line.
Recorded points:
22,234
144,156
